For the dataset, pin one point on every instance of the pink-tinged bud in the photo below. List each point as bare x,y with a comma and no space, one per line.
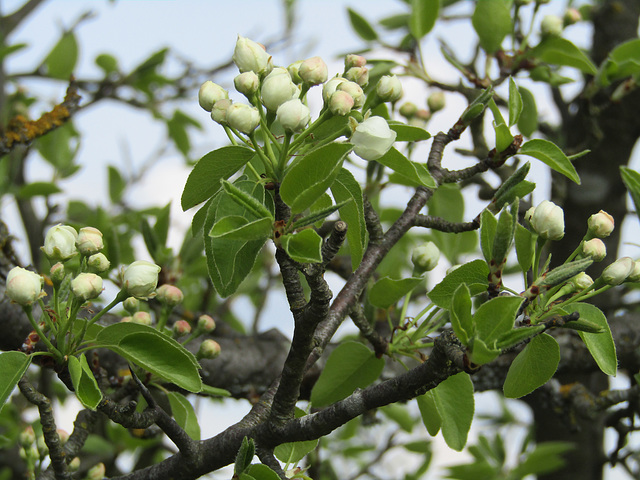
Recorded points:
60,243
572,16
408,110
360,75
601,224
27,437
352,60
208,349
250,56
206,324
329,87
57,273
74,465
421,118
313,71
389,88
98,262
140,279
23,286
548,221
355,90
293,115
634,276
243,117
425,257
581,281
595,249
278,88
169,295
618,271
89,241
340,103
63,435
372,138
219,111
247,83
181,328
210,93
86,286
436,101
131,304
142,318
126,319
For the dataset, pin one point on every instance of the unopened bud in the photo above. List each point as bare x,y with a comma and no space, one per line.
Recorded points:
247,83
595,249
27,437
242,117
277,88
294,71
360,75
131,304
340,103
314,71
219,111
436,101
210,93
141,318
408,110
352,60
548,221
425,257
57,273
251,56
618,271
86,286
96,472
98,262
169,295
293,115
601,224
208,349
206,324
355,90
329,87
634,276
389,88
572,16
74,465
581,282
551,26
181,328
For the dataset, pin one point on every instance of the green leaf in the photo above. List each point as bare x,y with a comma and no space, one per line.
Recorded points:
177,130
496,317
454,401
525,245
560,51
488,226
84,383
429,413
408,133
583,326
304,246
387,291
245,455
7,50
549,153
624,60
545,458
346,188
117,184
631,180
258,471
236,227
204,180
36,189
528,121
361,26
214,392
311,175
293,452
184,414
12,365
492,22
62,59
317,216
246,200
59,148
351,365
161,227
397,162
600,345
504,237
424,14
474,274
153,351
461,319
533,366
482,353
518,335
108,63
515,103
400,415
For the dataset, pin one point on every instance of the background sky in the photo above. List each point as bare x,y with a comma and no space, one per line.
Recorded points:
205,31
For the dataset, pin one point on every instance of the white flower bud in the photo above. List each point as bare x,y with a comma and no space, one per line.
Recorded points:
219,111
634,276
618,271
436,101
140,279
60,243
389,88
210,93
98,262
425,257
209,349
355,90
352,60
293,115
594,248
247,83
278,88
372,138
340,103
548,221
581,281
329,87
169,295
314,71
89,241
86,286
601,224
142,318
360,75
294,71
206,323
551,26
243,117
250,56
23,286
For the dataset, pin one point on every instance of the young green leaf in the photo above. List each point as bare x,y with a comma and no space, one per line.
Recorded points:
397,162
528,121
245,455
533,366
525,243
545,458
429,413
503,238
408,133
258,471
84,383
482,353
492,22
518,335
184,414
496,317
12,365
474,274
455,404
488,226
304,246
236,227
246,200
387,291
346,188
560,51
515,102
623,61
318,215
424,14
38,189
461,319
361,26
63,57
631,180
549,153
600,345
293,452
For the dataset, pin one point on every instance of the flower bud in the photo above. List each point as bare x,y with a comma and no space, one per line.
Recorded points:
294,71
421,118
634,276
126,319
293,115
60,243
352,60
208,349
353,89
278,88
372,138
219,111
408,110
389,88
329,87
169,295
96,472
594,248
548,221
210,93
23,286
181,328
57,273
74,465
618,271
572,16
131,304
436,101
247,83
340,103
580,282
206,324
314,71
250,56
98,262
360,75
140,279
63,435
601,224
86,286
551,26
528,216
142,318
27,437
425,257
89,241
243,117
